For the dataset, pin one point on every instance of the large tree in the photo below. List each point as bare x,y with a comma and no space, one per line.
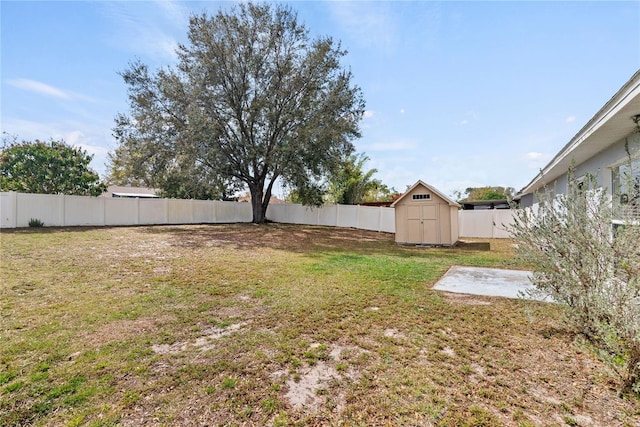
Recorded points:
48,168
252,100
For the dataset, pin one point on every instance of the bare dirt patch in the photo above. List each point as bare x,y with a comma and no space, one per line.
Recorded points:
394,333
203,343
309,387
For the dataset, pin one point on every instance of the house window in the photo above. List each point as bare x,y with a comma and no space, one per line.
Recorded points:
424,196
626,182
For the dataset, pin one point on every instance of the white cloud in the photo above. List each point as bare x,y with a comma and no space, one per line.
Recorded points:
147,31
39,88
47,90
368,23
536,160
173,10
463,122
368,114
402,111
570,119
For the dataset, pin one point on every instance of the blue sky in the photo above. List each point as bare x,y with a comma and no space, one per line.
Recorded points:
458,94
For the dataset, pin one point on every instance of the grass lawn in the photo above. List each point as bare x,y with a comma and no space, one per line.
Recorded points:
278,325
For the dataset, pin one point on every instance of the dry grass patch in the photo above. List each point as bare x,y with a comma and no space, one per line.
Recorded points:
278,325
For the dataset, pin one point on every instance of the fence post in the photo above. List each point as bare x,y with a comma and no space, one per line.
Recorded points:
14,209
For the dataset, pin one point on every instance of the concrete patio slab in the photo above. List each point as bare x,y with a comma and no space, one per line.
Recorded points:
485,281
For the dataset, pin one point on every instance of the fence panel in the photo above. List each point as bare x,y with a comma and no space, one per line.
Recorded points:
121,211
276,212
503,220
46,207
299,214
202,211
8,208
388,220
368,218
81,210
328,215
486,224
230,212
244,212
347,216
153,211
179,211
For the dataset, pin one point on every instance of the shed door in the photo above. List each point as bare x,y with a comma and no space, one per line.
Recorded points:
422,221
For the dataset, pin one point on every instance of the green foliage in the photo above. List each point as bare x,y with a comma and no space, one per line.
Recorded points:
351,185
35,223
48,168
590,267
485,193
253,99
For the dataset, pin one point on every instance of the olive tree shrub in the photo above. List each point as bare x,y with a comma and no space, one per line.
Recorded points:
585,253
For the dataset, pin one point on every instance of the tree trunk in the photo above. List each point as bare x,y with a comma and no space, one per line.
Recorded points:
258,208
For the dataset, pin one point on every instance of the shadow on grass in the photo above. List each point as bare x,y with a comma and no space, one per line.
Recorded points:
52,230
308,239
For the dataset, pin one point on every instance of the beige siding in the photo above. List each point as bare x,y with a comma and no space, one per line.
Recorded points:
430,221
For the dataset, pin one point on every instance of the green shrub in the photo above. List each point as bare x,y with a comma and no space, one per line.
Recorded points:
33,222
591,267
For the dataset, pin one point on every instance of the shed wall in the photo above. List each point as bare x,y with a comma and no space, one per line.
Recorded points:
430,221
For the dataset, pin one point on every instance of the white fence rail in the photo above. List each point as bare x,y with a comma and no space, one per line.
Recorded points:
17,209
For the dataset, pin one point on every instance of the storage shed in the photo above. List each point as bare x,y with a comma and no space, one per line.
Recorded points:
425,216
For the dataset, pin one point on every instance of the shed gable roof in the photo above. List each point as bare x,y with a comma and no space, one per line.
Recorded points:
428,187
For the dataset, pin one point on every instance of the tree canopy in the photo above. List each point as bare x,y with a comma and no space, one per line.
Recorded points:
485,193
252,100
351,184
48,168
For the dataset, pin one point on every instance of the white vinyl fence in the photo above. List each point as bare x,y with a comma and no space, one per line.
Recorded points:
17,209
486,223
363,217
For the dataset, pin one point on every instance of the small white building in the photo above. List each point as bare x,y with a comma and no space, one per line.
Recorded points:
425,216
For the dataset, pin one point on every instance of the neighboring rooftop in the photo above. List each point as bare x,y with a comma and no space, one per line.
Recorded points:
130,192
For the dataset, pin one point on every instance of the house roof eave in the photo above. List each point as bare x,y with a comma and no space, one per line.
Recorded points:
608,126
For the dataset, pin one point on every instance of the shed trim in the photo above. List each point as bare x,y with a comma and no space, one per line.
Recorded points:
430,188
